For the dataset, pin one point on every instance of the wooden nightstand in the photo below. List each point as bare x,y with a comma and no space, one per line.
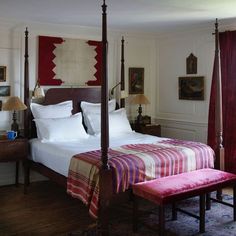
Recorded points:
152,129
14,151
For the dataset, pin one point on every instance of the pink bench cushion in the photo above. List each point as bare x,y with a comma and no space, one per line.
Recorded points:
176,187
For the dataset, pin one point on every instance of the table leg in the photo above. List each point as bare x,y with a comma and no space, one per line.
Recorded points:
17,173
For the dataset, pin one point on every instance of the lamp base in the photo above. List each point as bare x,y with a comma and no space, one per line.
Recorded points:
14,125
139,120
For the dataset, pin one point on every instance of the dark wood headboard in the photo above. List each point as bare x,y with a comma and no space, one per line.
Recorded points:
88,94
57,95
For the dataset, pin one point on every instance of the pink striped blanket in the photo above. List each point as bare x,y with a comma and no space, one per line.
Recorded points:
134,163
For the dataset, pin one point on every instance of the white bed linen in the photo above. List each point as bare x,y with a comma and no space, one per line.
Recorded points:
57,155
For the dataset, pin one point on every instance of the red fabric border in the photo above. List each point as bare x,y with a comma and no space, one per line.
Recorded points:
46,56
98,65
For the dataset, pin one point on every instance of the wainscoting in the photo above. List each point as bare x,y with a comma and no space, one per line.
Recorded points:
183,130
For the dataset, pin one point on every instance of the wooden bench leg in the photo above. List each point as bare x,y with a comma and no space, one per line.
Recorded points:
202,213
161,220
208,201
234,201
219,194
174,211
135,214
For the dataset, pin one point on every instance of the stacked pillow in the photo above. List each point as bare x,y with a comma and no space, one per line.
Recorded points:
89,108
118,121
54,123
59,110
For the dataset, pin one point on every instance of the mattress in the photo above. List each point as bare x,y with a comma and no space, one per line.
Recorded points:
57,155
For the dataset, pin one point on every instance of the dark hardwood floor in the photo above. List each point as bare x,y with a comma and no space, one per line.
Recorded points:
48,210
45,210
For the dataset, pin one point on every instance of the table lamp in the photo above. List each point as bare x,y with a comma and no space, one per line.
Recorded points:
38,91
14,104
140,99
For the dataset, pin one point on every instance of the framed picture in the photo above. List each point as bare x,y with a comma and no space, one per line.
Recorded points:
0,105
3,70
191,64
191,88
4,91
136,80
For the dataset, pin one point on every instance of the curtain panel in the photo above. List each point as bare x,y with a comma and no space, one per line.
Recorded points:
227,42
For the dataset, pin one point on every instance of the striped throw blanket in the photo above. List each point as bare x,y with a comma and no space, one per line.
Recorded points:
134,163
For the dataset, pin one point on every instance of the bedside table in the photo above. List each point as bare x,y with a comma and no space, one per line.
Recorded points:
14,151
152,129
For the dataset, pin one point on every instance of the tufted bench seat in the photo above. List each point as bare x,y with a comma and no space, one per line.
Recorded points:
170,189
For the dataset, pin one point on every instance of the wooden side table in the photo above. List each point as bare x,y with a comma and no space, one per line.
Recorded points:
14,151
152,129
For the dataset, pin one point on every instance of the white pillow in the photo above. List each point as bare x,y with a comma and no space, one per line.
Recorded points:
59,110
94,108
118,122
61,129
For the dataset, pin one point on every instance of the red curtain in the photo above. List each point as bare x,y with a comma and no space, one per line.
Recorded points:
227,42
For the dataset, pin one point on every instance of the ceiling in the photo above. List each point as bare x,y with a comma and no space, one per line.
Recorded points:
150,16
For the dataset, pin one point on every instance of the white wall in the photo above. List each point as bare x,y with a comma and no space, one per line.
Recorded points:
183,118
163,59
12,55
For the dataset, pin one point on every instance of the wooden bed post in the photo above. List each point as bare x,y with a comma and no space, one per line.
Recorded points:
104,97
26,88
220,160
122,73
105,177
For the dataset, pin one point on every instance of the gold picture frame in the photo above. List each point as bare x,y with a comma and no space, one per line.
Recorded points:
191,88
3,70
136,80
5,91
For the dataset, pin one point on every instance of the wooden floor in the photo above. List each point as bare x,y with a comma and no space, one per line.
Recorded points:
45,210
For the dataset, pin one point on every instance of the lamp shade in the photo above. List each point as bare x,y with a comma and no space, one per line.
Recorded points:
14,104
39,92
123,94
140,99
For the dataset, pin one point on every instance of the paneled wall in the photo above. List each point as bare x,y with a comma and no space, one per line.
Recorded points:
163,58
185,119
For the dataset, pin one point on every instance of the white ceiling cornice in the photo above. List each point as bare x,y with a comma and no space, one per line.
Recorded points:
152,17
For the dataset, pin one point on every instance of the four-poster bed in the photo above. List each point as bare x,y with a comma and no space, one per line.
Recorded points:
106,173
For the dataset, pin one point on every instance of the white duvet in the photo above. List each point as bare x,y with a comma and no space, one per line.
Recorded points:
57,155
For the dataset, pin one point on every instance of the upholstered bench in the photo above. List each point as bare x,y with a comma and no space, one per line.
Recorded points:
170,189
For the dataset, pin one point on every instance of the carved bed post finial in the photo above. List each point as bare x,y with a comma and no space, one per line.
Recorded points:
26,87
220,161
122,73
104,97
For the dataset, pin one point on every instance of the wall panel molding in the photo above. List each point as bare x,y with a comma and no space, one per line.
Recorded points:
180,129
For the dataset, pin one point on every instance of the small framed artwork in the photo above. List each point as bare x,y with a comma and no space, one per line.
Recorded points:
3,70
191,88
136,80
4,91
191,64
0,105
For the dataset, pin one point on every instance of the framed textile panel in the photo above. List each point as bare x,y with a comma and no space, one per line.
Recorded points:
69,61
